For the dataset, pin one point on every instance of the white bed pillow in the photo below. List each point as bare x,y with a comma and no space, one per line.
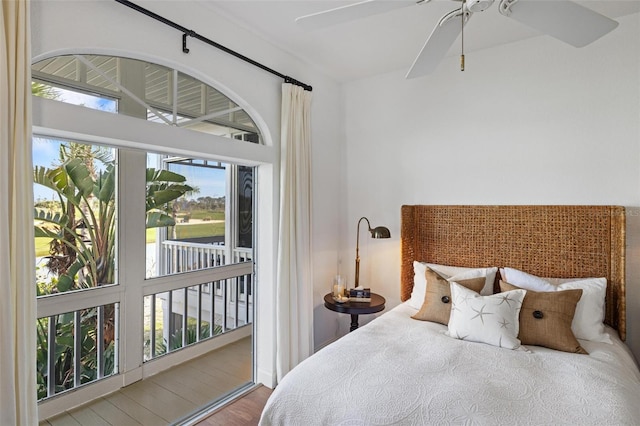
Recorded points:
462,273
589,316
451,273
527,281
588,321
419,285
490,319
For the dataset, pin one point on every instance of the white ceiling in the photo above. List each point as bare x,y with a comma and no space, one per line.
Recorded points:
381,43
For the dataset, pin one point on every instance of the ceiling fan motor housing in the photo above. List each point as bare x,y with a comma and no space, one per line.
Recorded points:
478,5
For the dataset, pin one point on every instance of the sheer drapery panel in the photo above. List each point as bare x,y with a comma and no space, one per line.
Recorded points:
294,297
17,257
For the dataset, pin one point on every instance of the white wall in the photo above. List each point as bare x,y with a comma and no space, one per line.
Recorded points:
106,27
532,122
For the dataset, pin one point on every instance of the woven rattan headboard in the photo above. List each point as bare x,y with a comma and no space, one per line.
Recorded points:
548,241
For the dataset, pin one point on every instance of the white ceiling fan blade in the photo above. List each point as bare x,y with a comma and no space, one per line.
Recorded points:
437,45
565,20
351,12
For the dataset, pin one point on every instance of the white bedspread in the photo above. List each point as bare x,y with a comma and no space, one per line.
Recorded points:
396,370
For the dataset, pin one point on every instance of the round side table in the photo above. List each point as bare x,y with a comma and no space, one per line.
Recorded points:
355,308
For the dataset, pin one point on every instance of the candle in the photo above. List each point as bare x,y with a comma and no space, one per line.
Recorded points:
338,287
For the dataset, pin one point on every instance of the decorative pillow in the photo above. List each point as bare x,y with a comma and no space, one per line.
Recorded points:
461,273
545,319
486,319
589,316
437,301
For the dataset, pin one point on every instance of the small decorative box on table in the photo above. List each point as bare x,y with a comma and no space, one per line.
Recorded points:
353,308
360,295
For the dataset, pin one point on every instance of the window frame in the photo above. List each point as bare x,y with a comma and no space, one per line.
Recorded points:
58,120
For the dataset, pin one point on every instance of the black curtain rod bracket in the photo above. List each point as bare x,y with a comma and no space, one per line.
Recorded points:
186,32
185,49
295,82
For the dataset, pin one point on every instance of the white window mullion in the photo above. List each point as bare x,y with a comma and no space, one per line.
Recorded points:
131,236
131,260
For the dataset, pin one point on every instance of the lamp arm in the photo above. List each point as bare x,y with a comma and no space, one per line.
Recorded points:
357,279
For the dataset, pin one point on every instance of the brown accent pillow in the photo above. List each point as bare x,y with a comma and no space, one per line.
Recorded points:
545,319
437,299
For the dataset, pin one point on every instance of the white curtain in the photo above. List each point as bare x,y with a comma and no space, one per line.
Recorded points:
294,298
17,258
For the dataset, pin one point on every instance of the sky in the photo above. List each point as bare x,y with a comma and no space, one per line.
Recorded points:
210,182
45,150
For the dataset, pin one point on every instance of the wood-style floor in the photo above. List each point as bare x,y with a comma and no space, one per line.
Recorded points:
168,396
241,412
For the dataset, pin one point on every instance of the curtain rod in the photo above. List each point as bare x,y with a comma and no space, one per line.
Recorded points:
186,32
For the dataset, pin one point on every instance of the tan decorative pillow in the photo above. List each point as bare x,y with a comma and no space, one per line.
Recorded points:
437,299
545,319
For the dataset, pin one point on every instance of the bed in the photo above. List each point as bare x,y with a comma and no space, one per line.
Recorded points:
399,370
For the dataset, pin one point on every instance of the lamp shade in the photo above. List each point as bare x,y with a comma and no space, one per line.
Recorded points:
380,232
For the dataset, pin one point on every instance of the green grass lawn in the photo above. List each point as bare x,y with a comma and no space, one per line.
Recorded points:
42,246
182,231
204,214
199,230
191,231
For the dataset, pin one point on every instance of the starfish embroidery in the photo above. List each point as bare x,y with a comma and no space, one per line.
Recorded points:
504,323
459,337
464,297
480,313
505,298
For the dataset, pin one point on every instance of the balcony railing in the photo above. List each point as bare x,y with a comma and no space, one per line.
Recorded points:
78,339
182,256
187,315
76,348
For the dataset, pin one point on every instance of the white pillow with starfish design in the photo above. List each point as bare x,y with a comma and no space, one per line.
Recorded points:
490,319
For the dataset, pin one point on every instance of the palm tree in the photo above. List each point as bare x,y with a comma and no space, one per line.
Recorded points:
82,250
43,90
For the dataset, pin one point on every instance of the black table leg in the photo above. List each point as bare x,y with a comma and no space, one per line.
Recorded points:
354,322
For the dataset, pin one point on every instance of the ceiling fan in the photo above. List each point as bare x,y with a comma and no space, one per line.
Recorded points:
564,20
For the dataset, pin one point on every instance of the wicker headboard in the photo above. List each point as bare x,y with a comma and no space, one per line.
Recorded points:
547,241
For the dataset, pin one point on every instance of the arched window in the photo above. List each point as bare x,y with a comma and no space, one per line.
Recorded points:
192,274
131,87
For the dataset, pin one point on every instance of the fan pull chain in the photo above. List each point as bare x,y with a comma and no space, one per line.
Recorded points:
462,39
